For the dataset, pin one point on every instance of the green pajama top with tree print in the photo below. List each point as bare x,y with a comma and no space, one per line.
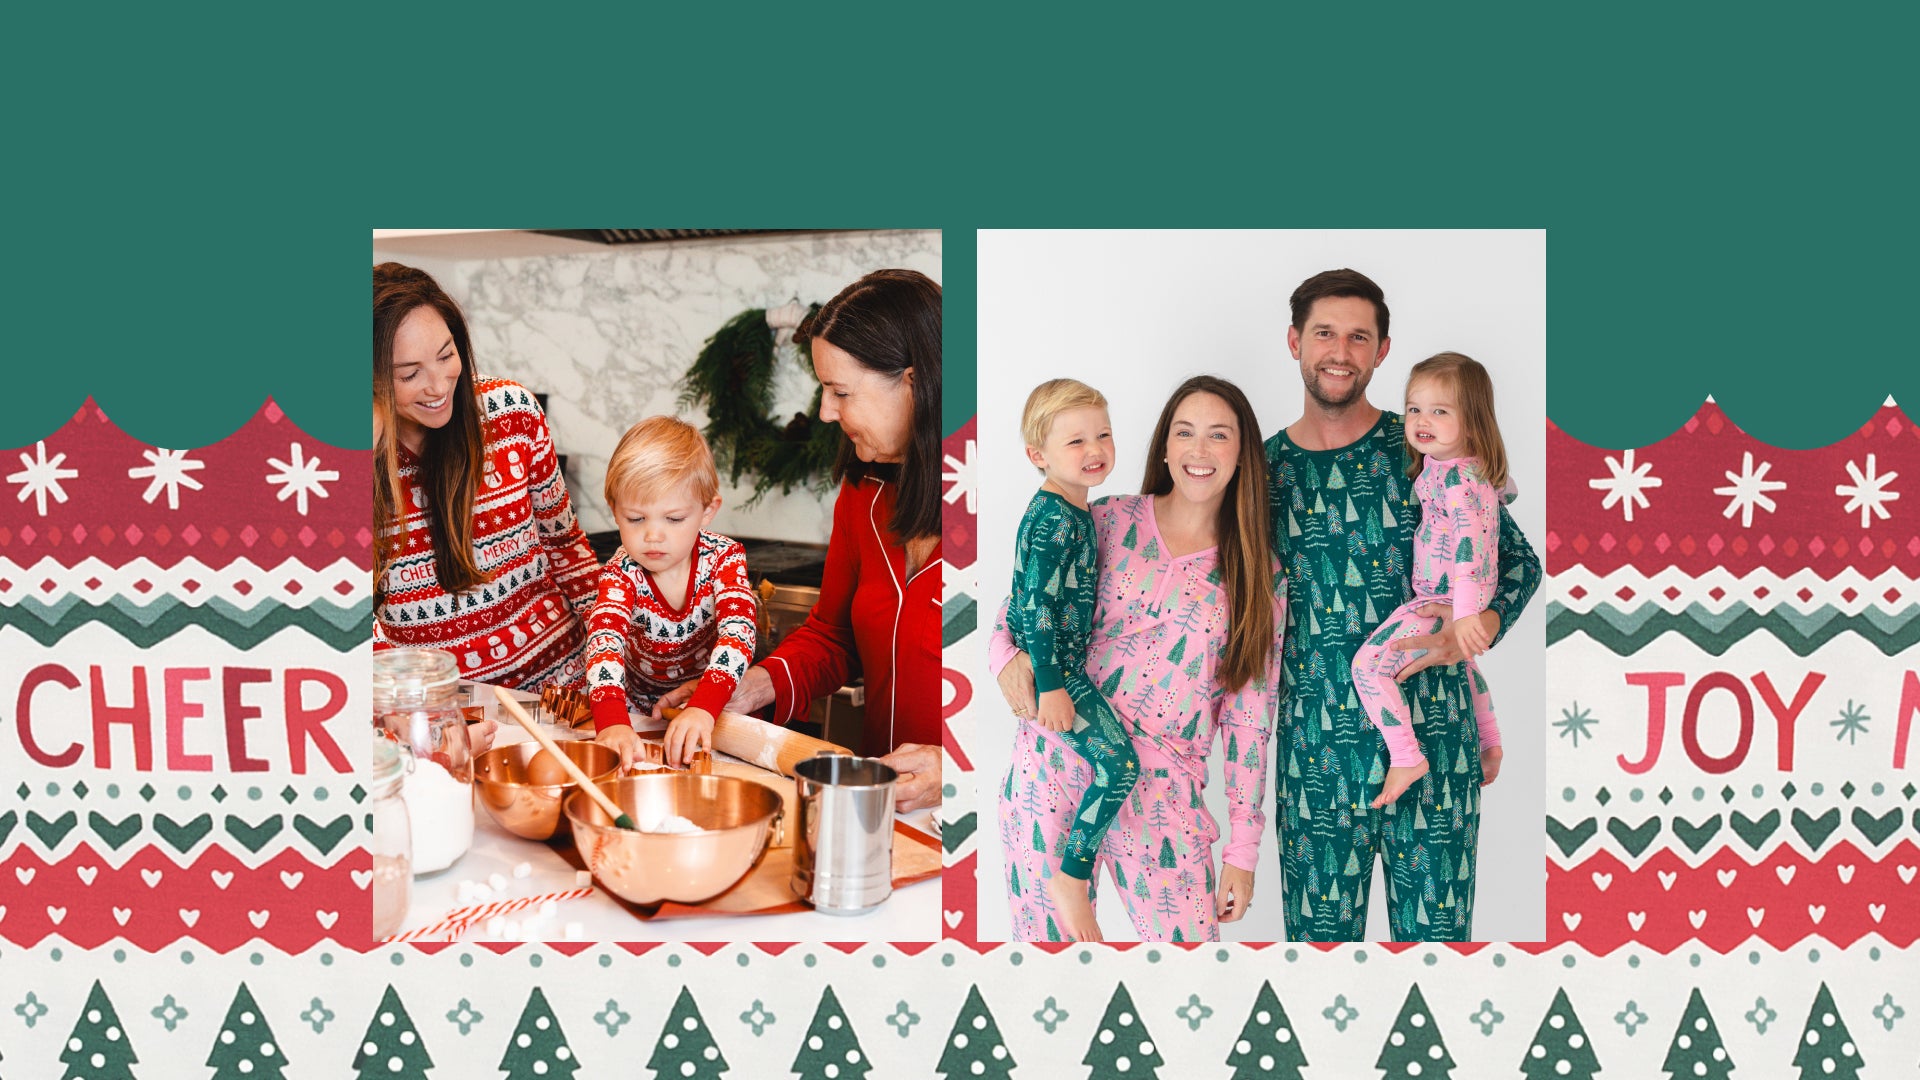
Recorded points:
1055,583
1343,527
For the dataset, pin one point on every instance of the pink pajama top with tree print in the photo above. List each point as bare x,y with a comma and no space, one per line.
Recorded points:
1160,629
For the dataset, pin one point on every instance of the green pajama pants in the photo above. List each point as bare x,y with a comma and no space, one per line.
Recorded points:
1428,840
1103,743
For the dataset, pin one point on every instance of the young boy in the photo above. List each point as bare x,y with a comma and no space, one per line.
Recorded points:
1054,584
674,602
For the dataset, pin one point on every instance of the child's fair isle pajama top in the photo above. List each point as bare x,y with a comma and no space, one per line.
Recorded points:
1159,635
1054,578
1453,560
639,646
1343,524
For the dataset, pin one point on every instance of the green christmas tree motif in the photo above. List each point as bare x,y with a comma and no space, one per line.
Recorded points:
538,1048
246,1046
686,1047
98,1048
1561,1047
832,1050
391,1046
1122,1046
1826,1046
974,1046
1267,1048
1696,1051
1414,1046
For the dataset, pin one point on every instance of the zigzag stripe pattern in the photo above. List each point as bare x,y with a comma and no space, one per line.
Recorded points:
1626,632
343,630
149,613
1891,592
241,585
289,900
1695,841
250,839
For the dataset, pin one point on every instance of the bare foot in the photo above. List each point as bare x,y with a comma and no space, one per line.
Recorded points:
1070,903
1399,779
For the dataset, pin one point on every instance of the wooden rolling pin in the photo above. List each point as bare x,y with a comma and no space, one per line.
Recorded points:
760,743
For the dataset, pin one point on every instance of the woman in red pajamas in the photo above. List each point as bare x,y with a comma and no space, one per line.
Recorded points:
876,350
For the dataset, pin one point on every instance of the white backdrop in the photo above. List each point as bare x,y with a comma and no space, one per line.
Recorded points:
1135,314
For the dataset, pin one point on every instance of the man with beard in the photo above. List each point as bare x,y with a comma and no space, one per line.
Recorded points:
1344,518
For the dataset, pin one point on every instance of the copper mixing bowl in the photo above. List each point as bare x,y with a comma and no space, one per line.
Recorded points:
521,786
736,818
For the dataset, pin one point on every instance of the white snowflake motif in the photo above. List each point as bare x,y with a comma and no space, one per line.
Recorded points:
300,476
1748,490
959,475
168,470
1627,484
41,477
1868,493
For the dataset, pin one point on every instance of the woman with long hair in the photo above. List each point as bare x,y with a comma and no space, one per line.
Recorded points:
876,351
1185,646
476,548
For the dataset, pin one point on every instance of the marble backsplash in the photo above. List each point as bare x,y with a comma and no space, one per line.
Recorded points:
608,335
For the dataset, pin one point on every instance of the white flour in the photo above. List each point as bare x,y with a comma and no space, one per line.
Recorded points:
441,811
672,823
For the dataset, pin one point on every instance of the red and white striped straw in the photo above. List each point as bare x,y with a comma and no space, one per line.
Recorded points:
458,921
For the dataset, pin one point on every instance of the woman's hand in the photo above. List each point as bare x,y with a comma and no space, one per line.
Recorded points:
1443,648
1234,894
1490,765
1016,685
623,740
480,735
691,730
919,783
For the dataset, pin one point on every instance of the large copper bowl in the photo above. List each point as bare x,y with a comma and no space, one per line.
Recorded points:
521,786
736,818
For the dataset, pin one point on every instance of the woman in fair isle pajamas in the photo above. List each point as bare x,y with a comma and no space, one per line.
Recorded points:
1184,647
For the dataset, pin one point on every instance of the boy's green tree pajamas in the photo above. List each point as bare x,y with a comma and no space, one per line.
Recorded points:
1055,583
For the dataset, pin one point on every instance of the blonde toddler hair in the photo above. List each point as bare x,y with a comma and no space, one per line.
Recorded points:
658,455
1050,399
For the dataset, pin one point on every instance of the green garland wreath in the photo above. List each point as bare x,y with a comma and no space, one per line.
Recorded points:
733,379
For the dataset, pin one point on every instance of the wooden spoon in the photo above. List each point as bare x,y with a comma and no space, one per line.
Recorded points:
580,778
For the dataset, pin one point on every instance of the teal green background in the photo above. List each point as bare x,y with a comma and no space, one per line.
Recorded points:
1726,190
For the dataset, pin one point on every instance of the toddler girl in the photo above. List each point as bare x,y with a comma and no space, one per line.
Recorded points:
1459,465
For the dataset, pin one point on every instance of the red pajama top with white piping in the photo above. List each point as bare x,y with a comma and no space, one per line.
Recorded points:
874,619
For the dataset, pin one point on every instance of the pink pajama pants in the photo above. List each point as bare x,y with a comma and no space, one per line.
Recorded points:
1375,665
1159,848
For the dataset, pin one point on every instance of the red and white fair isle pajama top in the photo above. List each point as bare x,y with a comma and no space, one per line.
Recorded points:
525,627
639,647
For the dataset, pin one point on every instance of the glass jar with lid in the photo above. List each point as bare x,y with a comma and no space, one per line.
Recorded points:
392,843
415,701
